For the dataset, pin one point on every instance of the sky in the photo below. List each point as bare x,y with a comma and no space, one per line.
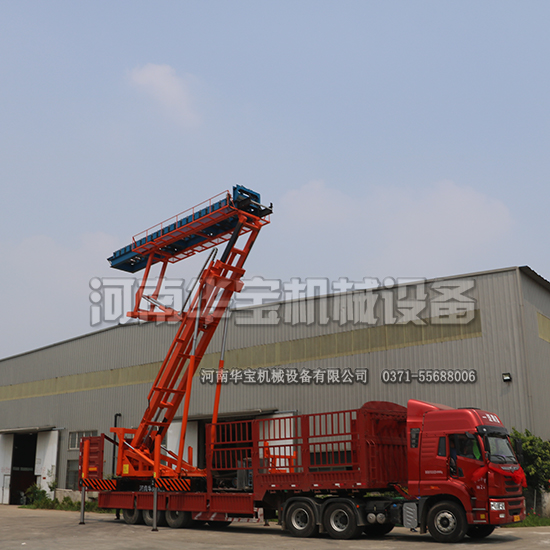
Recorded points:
394,138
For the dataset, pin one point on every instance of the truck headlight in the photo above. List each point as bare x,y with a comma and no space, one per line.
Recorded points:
498,506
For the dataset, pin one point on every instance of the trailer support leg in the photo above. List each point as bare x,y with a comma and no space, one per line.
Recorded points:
82,504
155,507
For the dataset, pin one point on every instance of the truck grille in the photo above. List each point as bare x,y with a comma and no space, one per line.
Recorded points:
511,487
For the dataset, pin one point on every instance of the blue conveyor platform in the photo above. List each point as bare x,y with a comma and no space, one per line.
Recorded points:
204,226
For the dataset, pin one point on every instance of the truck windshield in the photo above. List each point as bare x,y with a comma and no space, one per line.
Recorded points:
500,450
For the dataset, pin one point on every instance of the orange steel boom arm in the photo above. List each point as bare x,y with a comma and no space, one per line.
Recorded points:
219,280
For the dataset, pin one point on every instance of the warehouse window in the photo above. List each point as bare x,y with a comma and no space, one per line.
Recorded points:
544,326
75,437
72,475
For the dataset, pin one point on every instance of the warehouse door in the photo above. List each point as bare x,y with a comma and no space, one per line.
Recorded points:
45,465
6,452
22,469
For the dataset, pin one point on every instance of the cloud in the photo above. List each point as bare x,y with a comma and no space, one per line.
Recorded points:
171,91
312,234
442,229
445,210
46,288
314,204
436,230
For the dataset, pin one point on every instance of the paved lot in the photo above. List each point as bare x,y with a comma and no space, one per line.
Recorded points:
53,530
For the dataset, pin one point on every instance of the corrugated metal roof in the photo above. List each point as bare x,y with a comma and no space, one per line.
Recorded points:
526,270
26,430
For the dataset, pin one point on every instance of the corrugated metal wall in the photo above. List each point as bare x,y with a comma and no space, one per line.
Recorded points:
502,337
498,350
103,350
535,310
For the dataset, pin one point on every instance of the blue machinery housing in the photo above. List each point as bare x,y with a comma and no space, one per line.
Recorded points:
195,230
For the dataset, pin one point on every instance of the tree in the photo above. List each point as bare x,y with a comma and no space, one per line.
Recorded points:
536,459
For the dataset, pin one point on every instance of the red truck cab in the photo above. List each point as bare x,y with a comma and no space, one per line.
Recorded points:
463,456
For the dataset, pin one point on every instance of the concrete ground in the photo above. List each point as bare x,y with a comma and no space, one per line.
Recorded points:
53,530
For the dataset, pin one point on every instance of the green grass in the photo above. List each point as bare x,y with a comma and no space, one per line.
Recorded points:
38,499
66,504
532,520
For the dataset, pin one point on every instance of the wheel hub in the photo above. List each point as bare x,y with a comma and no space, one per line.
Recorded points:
445,522
300,519
339,520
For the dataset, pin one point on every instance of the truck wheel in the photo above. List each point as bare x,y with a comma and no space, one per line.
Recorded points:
133,516
447,522
377,529
148,518
177,519
340,521
300,519
480,531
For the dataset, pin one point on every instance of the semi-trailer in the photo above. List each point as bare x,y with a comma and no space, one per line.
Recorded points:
451,472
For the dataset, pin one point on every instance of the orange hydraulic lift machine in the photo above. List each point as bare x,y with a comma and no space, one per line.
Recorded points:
224,218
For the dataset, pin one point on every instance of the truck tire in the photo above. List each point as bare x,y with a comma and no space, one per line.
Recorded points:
148,518
374,530
480,531
340,521
177,519
133,516
447,522
300,519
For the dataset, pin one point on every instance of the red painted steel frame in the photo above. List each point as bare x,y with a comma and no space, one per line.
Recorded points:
140,456
344,450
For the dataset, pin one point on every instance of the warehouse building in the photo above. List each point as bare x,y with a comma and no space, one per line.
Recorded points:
478,340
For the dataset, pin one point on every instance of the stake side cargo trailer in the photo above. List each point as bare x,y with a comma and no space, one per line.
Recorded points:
449,471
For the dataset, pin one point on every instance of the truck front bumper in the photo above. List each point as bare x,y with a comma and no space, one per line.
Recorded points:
506,510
